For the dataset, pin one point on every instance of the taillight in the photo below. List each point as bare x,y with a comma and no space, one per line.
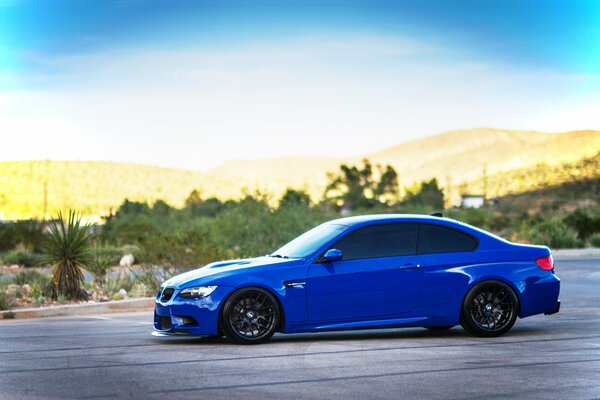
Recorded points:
545,263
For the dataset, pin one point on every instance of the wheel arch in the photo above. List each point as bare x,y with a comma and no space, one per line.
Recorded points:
281,324
480,280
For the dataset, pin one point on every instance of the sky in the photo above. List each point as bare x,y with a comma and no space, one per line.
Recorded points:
191,84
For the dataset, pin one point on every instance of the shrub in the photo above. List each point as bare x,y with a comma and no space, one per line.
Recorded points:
595,240
31,277
7,300
584,222
22,258
27,233
553,233
179,251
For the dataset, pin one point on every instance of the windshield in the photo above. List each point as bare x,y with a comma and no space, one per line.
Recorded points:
307,243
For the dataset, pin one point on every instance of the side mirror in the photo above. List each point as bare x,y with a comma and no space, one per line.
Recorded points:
333,255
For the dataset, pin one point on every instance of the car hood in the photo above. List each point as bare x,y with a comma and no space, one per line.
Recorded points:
209,273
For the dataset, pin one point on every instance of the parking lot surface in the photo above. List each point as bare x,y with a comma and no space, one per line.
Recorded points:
114,356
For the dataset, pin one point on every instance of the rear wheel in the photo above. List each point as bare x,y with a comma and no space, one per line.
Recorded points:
489,309
250,315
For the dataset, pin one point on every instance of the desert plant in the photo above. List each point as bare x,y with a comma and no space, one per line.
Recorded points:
23,258
68,249
30,277
99,266
7,300
595,240
553,233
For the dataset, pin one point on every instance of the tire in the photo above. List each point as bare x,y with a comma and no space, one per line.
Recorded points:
440,328
250,315
489,309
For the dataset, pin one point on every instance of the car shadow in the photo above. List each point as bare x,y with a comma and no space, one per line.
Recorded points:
457,332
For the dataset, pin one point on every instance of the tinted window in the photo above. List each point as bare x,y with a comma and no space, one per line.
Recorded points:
438,239
379,241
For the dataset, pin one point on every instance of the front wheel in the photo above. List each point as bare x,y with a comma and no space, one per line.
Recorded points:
489,309
250,315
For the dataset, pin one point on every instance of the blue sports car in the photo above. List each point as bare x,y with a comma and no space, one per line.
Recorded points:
373,271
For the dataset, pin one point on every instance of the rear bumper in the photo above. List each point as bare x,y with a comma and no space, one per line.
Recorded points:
557,309
539,295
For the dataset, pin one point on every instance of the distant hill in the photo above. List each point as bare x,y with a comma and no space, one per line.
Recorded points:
90,187
455,157
567,185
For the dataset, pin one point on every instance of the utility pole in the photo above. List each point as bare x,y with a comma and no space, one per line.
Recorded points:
485,184
45,206
45,203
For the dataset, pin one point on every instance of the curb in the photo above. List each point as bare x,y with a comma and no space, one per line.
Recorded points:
573,253
141,304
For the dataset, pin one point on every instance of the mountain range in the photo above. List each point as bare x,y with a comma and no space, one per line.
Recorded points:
458,159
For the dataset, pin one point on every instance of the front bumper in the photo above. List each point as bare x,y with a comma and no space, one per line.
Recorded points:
189,316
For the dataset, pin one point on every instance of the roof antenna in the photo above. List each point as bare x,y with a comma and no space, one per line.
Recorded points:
437,215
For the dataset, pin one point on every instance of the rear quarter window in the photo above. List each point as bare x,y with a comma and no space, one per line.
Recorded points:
439,239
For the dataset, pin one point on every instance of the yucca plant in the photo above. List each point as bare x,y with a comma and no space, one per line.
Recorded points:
68,248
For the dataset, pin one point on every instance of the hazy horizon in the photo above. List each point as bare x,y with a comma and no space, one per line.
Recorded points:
192,85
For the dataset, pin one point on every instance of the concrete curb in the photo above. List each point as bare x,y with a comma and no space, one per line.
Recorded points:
571,253
141,304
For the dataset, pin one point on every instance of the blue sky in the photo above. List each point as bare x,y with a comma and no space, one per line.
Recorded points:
192,84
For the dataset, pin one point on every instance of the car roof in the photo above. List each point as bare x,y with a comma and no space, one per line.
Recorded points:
375,218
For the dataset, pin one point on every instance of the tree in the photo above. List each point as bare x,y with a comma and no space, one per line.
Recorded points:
427,193
584,223
293,197
68,248
356,187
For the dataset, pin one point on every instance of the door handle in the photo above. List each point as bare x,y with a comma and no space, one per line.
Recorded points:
410,266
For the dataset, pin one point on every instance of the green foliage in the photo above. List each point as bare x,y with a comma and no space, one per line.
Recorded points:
23,258
427,194
180,251
293,197
583,222
121,282
27,233
195,206
252,228
552,233
68,249
7,300
31,277
358,188
595,240
103,259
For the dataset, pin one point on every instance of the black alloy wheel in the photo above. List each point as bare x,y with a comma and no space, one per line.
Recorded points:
250,315
489,309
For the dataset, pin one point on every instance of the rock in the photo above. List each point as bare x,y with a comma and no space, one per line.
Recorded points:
122,293
12,287
14,268
25,289
127,260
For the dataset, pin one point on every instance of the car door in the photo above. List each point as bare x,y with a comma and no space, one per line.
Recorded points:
379,275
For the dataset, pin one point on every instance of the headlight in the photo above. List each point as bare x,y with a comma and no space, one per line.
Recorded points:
196,292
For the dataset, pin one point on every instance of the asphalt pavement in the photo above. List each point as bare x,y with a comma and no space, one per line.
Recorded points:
114,356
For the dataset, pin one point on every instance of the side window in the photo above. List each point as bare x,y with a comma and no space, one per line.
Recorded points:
439,239
385,240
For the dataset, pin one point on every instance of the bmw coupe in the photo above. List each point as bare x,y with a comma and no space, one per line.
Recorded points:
372,271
